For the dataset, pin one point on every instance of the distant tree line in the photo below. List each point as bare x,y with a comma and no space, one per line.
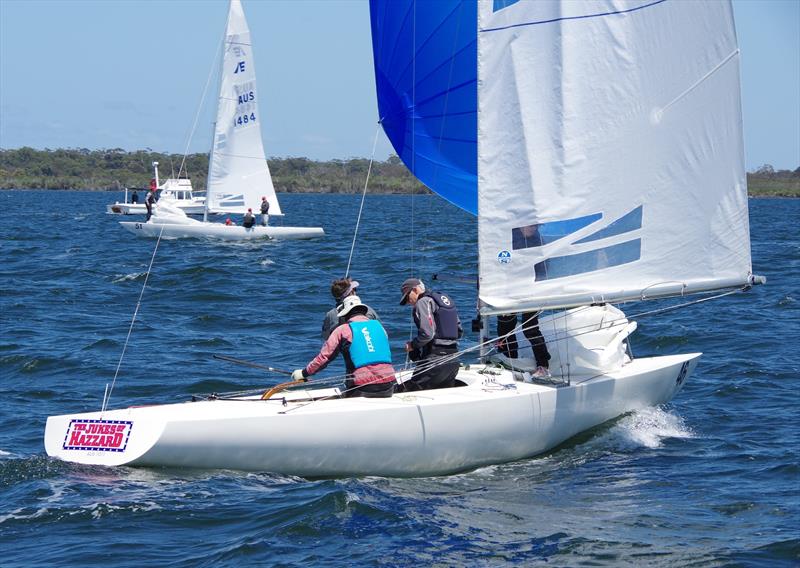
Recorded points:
27,168
115,169
766,181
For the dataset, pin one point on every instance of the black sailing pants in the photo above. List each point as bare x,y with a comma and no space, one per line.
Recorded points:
530,327
430,375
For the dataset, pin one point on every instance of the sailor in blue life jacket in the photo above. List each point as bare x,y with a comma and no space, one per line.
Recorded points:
436,344
365,346
341,289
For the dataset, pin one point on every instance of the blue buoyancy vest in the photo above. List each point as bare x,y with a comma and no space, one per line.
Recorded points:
370,344
445,316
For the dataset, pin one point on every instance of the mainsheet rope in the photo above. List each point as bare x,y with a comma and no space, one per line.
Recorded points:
107,394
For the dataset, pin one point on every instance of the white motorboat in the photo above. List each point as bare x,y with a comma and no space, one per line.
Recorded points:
602,171
175,191
238,173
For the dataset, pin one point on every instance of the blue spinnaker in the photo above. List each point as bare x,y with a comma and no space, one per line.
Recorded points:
426,58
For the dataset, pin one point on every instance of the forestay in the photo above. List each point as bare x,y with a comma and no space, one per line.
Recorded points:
610,153
238,174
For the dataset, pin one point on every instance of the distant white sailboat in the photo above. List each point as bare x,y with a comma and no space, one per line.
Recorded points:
177,192
602,150
238,173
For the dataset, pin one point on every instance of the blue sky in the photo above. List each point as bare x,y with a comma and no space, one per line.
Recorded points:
130,74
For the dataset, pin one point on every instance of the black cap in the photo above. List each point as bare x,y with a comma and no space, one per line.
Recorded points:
408,285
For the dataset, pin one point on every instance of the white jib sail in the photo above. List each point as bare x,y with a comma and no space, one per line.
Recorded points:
238,175
610,153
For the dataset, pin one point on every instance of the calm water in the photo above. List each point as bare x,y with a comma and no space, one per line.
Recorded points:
710,480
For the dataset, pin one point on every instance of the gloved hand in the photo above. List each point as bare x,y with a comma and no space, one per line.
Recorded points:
297,376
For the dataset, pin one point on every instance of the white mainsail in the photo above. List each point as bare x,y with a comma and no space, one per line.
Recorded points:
610,152
238,174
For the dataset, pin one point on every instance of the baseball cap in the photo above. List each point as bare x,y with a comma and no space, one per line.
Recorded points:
408,285
353,285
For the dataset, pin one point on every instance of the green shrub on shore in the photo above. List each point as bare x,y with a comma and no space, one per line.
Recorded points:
116,169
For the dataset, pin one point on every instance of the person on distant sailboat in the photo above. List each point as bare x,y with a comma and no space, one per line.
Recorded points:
249,219
264,211
341,289
436,344
150,200
530,327
365,346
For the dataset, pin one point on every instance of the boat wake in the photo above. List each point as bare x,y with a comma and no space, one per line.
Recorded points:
649,427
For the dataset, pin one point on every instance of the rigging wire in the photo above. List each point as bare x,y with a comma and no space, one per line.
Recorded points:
363,197
200,106
413,149
107,394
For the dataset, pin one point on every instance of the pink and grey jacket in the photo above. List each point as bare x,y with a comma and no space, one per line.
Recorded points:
339,341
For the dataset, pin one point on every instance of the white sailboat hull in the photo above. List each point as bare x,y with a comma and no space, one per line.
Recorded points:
493,419
219,231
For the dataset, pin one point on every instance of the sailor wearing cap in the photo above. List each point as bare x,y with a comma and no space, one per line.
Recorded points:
264,211
340,289
365,346
436,344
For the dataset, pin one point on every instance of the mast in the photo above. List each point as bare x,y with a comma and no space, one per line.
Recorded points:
214,124
208,174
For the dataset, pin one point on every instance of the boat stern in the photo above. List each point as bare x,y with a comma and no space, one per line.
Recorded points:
111,438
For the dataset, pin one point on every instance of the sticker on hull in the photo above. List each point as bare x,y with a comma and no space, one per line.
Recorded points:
100,435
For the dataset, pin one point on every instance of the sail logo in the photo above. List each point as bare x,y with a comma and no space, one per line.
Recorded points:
368,340
504,257
598,257
101,435
500,4
239,68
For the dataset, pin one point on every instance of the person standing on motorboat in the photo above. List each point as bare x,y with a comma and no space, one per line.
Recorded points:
341,289
150,200
435,347
530,327
249,219
264,211
135,197
365,346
